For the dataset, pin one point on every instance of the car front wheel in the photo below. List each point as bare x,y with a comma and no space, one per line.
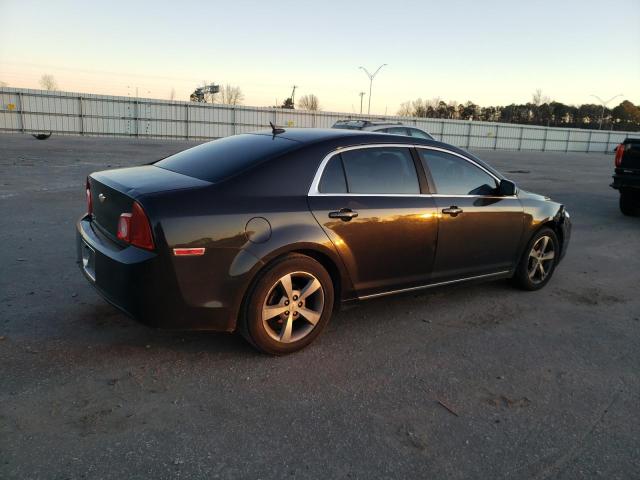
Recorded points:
539,260
289,305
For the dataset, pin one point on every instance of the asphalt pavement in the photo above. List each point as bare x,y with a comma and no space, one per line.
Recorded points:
472,381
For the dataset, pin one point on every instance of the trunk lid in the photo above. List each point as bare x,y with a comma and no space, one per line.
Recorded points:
114,191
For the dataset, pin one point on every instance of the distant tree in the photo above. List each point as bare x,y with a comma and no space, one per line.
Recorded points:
230,95
540,111
48,82
309,102
288,103
536,97
470,111
3,84
452,109
490,114
627,115
405,109
419,108
545,114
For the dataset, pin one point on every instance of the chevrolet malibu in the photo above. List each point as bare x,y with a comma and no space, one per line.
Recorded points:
268,233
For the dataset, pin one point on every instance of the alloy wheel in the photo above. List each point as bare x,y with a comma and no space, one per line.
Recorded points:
541,258
293,307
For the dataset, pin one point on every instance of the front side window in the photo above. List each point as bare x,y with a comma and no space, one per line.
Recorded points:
380,170
453,175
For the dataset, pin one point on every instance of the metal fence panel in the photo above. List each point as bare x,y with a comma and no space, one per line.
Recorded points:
32,111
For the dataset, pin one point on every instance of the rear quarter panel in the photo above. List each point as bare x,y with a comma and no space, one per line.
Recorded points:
219,218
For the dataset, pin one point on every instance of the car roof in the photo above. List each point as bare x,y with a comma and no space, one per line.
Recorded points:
307,135
347,137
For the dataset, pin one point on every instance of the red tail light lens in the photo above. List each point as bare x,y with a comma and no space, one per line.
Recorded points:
619,153
134,228
89,200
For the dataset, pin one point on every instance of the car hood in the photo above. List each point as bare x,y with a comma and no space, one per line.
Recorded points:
530,195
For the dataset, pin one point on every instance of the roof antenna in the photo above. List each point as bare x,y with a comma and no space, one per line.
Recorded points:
275,130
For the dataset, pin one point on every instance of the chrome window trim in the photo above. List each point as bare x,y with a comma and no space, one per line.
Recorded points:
314,191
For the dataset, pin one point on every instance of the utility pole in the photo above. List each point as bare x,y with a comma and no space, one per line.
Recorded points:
293,95
362,94
371,77
604,105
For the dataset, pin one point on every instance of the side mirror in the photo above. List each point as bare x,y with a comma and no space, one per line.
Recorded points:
507,188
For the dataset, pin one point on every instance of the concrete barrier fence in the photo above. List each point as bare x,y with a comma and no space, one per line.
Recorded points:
66,113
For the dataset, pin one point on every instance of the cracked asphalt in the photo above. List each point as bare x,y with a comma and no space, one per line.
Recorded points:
472,381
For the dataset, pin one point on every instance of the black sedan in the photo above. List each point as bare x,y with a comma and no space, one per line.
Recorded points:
268,233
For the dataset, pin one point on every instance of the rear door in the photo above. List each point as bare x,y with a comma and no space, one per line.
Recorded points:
374,207
479,231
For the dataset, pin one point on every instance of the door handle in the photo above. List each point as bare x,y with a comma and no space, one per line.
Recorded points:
344,214
452,210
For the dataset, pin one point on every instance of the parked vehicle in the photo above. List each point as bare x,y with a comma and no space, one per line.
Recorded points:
382,127
626,178
268,233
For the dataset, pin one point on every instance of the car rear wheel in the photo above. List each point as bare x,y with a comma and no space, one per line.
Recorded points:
289,305
539,260
630,203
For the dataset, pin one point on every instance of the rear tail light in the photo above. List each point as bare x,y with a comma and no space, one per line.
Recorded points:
134,228
89,200
619,153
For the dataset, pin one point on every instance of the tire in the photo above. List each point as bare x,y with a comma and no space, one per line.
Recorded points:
538,252
306,316
630,204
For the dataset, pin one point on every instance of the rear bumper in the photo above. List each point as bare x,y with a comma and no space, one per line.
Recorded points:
142,284
622,181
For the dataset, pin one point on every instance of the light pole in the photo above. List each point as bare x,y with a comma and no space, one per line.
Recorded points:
371,77
362,94
604,105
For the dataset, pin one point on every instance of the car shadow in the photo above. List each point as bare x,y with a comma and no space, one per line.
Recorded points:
108,328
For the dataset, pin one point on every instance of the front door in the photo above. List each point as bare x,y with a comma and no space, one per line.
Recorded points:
479,231
370,204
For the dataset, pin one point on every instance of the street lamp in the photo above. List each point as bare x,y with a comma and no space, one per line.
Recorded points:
371,77
362,94
604,104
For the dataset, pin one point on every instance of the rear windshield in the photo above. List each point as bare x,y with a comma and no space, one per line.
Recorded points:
223,158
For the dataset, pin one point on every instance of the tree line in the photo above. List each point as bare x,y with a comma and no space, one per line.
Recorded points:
539,111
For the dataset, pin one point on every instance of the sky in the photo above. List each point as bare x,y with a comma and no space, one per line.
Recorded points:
492,52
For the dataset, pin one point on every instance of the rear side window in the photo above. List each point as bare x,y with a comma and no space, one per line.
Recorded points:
380,170
333,179
455,176
223,158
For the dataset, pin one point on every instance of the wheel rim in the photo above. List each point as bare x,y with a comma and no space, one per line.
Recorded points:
293,307
541,258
